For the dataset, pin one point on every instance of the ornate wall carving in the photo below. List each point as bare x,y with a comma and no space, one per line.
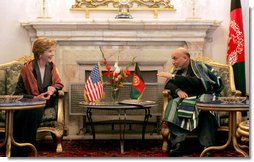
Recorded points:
114,5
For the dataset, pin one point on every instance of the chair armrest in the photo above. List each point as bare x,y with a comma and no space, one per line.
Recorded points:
166,96
60,110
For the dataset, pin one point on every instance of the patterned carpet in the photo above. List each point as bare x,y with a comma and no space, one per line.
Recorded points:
111,148
133,148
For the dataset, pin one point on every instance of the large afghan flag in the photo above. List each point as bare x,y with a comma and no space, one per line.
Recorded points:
138,84
235,54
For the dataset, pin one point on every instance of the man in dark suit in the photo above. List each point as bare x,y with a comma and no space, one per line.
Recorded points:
186,83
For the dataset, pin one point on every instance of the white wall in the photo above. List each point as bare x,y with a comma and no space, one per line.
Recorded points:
14,40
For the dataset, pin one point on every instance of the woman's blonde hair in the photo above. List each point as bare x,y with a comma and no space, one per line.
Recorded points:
42,44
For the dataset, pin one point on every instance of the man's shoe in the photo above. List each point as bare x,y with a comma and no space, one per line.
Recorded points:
175,151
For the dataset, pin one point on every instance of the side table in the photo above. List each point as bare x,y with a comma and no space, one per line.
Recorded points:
232,109
121,111
9,109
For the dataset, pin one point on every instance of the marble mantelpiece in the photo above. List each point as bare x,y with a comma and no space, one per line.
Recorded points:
188,30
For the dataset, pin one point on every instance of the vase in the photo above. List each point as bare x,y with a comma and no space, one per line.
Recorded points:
115,94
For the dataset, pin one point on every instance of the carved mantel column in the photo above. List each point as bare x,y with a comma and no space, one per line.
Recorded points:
195,48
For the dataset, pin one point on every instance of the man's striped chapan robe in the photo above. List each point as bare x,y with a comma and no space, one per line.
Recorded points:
183,112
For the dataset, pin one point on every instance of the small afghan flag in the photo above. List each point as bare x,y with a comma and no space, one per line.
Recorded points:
138,84
235,53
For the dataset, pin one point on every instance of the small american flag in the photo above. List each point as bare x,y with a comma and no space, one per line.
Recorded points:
94,88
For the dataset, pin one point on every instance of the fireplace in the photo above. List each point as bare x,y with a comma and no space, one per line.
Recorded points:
150,41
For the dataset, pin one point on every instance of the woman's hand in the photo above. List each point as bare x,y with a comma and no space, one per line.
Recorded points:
43,96
51,90
46,95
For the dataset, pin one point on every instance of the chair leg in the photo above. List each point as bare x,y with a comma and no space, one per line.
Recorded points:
165,135
59,144
58,139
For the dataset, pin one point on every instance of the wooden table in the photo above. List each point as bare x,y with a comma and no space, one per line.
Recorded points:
232,109
9,109
121,112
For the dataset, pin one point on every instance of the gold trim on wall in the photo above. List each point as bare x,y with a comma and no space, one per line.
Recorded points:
113,5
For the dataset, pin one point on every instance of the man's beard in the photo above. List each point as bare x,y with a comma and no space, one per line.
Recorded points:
179,68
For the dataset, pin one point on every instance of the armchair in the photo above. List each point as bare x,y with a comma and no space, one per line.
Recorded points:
227,77
53,117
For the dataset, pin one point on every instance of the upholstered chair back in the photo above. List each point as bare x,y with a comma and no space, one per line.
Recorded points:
227,76
9,74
